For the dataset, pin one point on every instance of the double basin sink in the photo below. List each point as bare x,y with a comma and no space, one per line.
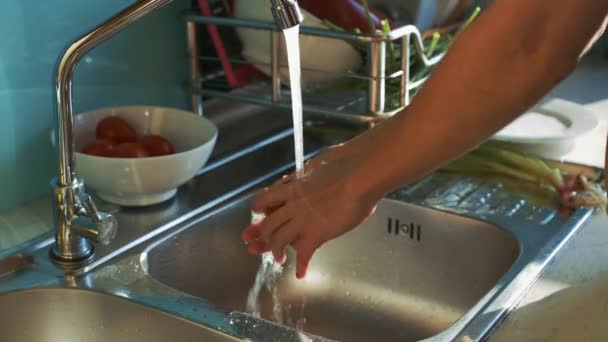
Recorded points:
444,259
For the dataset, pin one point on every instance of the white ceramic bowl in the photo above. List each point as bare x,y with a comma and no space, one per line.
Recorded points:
145,181
322,59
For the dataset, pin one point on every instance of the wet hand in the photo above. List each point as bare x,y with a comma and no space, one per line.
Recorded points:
305,212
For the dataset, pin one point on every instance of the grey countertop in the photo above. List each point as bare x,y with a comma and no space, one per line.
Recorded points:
569,302
25,223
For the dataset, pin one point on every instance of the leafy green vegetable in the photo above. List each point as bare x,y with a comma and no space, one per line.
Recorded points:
392,61
431,48
473,16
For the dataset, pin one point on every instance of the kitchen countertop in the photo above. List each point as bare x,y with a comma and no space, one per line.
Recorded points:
569,302
25,223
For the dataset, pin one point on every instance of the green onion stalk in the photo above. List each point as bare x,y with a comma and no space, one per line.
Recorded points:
571,190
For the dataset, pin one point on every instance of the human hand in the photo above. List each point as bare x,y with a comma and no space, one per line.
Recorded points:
307,211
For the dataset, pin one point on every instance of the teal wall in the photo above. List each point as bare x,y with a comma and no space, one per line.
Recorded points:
145,64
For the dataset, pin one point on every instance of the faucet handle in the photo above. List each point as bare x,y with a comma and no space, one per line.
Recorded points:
90,209
106,229
94,224
103,230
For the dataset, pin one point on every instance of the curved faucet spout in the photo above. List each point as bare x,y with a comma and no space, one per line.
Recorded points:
77,219
65,71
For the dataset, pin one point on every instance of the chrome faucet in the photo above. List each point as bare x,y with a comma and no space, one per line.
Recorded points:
286,13
78,222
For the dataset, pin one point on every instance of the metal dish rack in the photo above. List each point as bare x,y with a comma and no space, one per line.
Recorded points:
368,104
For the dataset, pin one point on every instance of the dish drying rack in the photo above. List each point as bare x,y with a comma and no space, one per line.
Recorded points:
367,105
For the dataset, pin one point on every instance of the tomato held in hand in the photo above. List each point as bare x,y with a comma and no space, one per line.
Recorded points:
115,130
130,150
99,147
156,145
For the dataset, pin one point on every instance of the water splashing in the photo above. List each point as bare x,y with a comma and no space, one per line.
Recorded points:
270,271
268,275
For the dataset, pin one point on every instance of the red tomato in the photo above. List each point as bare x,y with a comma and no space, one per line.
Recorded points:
157,145
115,130
129,150
99,147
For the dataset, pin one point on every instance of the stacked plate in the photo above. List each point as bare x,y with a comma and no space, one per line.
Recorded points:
550,129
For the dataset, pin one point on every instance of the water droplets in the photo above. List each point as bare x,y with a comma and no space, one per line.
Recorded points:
267,276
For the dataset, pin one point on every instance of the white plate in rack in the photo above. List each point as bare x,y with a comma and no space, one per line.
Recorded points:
550,129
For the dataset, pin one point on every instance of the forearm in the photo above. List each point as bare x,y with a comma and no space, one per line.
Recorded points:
503,64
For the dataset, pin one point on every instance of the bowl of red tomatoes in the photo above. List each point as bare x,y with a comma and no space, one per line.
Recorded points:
140,155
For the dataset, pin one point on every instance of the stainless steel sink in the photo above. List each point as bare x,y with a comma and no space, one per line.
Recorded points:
443,259
66,315
405,274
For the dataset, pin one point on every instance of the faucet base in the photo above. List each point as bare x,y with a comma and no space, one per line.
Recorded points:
72,263
69,247
70,250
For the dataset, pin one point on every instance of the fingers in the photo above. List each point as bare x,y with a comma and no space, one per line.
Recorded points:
279,256
289,233
305,247
264,229
282,238
250,233
278,231
256,247
275,220
272,197
286,235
